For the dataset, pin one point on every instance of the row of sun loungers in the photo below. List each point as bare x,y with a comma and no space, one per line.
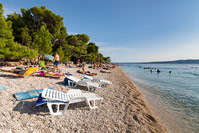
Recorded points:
53,97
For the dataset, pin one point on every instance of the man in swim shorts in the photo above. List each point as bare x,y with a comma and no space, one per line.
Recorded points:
56,62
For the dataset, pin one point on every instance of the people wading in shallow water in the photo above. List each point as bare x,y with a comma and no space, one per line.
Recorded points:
56,61
158,71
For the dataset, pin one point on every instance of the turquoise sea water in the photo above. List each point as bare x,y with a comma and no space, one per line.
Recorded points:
173,97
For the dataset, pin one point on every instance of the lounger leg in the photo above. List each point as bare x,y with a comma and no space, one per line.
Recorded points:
75,84
94,104
91,89
88,88
58,112
70,83
104,85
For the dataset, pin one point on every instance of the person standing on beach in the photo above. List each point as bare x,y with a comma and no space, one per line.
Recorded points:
56,61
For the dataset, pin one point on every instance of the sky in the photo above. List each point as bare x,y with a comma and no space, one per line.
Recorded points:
129,30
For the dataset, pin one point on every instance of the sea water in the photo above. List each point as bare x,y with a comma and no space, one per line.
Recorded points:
174,96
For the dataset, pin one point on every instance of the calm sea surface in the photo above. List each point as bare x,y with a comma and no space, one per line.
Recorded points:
173,97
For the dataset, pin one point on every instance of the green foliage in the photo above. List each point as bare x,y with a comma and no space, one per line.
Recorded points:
92,48
107,59
42,30
26,39
60,51
83,37
36,17
1,9
42,41
90,57
78,44
18,52
17,25
9,49
100,58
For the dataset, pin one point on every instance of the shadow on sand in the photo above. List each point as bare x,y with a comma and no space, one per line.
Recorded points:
84,88
28,107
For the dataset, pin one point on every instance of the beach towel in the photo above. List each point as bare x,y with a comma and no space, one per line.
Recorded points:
28,94
40,101
42,63
2,87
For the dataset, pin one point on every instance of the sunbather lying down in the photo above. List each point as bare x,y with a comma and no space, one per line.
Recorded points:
18,70
87,72
104,71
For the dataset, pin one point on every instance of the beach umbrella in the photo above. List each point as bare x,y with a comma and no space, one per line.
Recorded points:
50,57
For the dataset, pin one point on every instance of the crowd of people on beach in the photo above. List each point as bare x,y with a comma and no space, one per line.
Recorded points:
54,69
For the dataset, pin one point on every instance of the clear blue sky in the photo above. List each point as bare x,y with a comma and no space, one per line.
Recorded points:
129,30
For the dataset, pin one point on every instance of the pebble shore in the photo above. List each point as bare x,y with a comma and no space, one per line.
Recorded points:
123,109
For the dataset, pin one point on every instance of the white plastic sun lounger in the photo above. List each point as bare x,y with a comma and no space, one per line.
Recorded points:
53,97
74,81
102,81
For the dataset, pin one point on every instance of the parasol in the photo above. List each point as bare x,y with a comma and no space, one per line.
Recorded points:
50,57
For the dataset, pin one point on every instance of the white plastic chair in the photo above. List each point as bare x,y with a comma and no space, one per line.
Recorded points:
74,81
58,98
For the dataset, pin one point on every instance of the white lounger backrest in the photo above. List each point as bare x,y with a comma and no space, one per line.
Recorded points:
74,91
60,96
88,77
65,97
97,79
75,79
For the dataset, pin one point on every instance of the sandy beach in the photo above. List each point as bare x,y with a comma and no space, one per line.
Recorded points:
123,109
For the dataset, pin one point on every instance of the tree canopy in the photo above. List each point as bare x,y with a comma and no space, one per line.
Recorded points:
39,31
9,49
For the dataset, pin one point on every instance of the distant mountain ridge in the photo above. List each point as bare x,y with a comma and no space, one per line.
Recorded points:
189,61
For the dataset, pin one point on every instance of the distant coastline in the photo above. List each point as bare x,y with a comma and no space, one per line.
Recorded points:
188,61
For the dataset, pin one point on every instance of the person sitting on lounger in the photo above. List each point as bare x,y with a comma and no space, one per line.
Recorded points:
18,70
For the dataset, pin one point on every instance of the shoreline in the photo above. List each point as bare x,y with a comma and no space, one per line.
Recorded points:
124,108
145,103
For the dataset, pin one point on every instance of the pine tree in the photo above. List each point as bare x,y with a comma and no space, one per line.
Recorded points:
42,41
9,49
26,39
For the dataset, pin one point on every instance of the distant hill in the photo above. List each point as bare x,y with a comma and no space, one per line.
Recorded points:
189,61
